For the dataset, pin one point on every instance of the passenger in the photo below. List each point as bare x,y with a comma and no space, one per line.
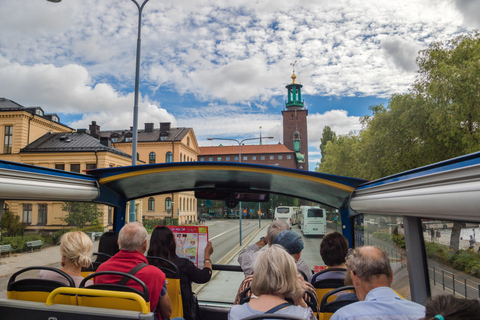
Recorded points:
132,241
76,250
274,280
448,307
333,250
247,256
162,244
371,274
471,242
293,244
108,244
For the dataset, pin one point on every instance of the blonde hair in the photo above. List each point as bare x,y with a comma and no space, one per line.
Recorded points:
275,272
132,237
77,247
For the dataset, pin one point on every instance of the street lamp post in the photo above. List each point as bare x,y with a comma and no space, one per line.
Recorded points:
240,160
135,104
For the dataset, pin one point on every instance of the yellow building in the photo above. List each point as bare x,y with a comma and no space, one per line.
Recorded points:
32,137
159,145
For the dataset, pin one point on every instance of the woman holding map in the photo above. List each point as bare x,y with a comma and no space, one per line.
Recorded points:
162,244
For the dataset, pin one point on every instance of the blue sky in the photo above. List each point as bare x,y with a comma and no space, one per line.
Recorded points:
219,67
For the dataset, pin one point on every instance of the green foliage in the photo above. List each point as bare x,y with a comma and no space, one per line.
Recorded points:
81,214
438,120
462,260
18,243
94,228
398,239
11,224
327,135
150,224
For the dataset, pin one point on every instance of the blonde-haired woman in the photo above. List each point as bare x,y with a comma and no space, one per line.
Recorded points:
274,279
76,250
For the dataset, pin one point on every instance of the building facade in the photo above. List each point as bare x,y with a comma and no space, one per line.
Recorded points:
159,145
29,136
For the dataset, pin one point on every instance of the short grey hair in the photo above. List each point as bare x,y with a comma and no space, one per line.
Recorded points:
275,228
132,237
366,266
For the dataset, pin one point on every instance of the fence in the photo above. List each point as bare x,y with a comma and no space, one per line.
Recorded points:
454,283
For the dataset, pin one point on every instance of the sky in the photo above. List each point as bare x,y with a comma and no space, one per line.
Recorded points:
219,67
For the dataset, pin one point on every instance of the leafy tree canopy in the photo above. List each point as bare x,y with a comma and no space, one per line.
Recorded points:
81,213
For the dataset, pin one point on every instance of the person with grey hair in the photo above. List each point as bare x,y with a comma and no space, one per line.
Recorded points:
247,256
371,275
132,241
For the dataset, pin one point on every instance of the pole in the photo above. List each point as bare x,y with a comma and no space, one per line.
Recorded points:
259,221
132,216
240,203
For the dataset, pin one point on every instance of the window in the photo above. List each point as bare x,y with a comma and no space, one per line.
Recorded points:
59,166
128,139
39,112
219,158
280,157
151,204
236,158
210,159
289,156
184,158
227,159
163,138
75,167
262,158
168,204
180,157
42,214
91,166
5,207
245,158
152,157
55,118
27,213
7,146
168,157
254,157
272,157
202,159
188,141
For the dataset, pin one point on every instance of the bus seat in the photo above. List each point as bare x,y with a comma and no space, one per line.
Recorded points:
173,284
100,297
113,301
323,286
37,290
327,309
273,316
100,258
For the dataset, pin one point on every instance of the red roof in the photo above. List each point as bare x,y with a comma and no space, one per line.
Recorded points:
246,149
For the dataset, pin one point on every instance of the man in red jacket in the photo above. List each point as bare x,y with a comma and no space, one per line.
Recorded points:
132,241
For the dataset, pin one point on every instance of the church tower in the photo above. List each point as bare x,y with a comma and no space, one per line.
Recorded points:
295,136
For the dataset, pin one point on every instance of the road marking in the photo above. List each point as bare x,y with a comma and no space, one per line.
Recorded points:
221,234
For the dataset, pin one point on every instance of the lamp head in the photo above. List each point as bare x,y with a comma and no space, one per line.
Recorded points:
54,1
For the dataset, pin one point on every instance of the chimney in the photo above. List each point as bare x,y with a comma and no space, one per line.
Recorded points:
148,127
106,141
83,131
164,127
94,129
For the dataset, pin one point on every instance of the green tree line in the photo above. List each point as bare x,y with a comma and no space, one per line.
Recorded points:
436,120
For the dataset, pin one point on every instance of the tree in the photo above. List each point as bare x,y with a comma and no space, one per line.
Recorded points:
327,135
81,214
11,224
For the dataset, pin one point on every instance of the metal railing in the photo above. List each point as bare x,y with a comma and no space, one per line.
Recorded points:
449,281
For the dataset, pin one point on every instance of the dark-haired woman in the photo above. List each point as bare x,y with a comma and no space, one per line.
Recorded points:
162,244
449,307
108,244
334,250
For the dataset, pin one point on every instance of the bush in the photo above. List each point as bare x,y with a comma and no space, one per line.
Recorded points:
151,224
18,243
462,260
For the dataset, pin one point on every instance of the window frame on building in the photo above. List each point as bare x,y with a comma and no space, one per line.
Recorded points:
289,156
91,166
60,166
7,139
152,158
27,211
151,204
168,157
42,214
168,204
75,166
262,157
254,157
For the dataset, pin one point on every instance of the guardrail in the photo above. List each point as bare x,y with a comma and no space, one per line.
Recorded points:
451,282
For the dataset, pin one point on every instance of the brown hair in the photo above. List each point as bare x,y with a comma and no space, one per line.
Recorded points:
334,249
452,308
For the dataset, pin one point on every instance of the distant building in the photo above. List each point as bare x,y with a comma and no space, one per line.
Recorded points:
159,145
29,136
293,153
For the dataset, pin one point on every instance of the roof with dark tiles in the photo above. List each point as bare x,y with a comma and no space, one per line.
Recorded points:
69,142
174,134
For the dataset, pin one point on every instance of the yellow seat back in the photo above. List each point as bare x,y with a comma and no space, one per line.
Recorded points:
329,304
37,290
172,281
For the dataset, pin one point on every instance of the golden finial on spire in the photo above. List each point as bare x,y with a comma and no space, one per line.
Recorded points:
293,75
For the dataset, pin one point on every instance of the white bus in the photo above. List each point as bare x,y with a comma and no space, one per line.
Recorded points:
285,213
313,221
